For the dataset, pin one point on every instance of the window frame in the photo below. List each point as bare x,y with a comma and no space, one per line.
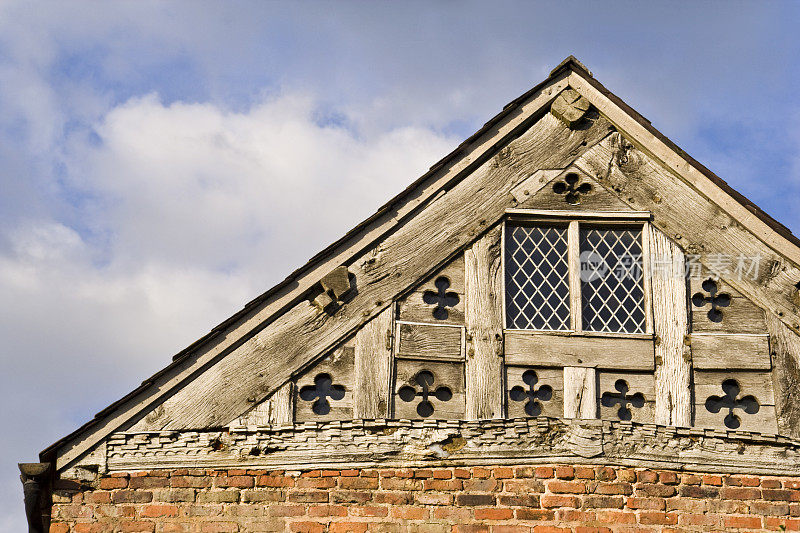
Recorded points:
573,220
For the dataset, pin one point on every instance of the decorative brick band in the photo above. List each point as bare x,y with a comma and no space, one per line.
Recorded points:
366,443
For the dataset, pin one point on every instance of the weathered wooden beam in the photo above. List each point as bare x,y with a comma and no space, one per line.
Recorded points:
283,405
671,326
580,392
785,347
484,327
418,247
570,107
720,351
709,232
373,363
597,351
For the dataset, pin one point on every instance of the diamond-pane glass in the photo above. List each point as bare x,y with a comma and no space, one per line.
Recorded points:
537,278
612,291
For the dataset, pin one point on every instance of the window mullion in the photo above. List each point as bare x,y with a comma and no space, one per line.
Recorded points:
573,258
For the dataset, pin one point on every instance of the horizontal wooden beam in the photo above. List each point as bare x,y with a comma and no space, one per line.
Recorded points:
542,349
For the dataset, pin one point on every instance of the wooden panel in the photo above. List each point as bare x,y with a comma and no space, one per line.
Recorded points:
544,349
373,367
785,345
730,352
277,409
448,375
673,403
550,377
573,258
598,199
413,308
758,384
430,341
580,392
741,316
339,366
484,327
418,246
636,386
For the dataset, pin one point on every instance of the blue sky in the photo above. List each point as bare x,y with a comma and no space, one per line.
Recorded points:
163,163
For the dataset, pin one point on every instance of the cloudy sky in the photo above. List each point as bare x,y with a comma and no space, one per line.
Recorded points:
162,163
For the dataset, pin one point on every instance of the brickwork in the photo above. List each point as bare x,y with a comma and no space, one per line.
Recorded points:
541,499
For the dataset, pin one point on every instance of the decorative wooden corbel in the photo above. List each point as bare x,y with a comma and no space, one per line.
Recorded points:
34,477
570,107
334,288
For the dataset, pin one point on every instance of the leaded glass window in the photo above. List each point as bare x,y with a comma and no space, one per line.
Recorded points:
537,278
576,277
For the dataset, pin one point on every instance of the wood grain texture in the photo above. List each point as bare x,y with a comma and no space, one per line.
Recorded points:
741,316
484,327
580,392
730,352
673,402
785,347
709,232
758,384
573,258
283,405
449,375
610,352
413,308
424,341
373,367
421,245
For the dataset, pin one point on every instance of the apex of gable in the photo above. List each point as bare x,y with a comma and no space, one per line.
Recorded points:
571,62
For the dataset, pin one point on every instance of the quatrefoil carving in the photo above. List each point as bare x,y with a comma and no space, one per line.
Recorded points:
621,397
425,380
441,298
716,300
530,394
322,389
730,401
570,189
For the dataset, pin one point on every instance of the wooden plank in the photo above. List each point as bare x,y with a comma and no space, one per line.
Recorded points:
634,383
427,341
758,384
785,346
580,392
413,308
730,352
283,405
673,404
549,377
573,259
417,248
339,367
740,316
484,327
508,127
610,352
445,375
373,367
550,214
533,183
709,232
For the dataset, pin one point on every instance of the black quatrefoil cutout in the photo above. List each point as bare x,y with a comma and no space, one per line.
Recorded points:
441,298
425,380
534,396
570,188
748,404
716,300
609,399
322,389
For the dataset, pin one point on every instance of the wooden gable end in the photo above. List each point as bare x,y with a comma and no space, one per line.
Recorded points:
415,326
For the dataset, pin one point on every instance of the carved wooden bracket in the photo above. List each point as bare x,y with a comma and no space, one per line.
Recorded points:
34,477
569,107
334,287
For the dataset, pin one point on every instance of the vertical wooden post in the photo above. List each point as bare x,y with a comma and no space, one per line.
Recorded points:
574,261
373,363
580,392
785,349
282,408
484,327
673,404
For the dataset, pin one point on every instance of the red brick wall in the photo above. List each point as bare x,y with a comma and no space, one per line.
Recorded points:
498,500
